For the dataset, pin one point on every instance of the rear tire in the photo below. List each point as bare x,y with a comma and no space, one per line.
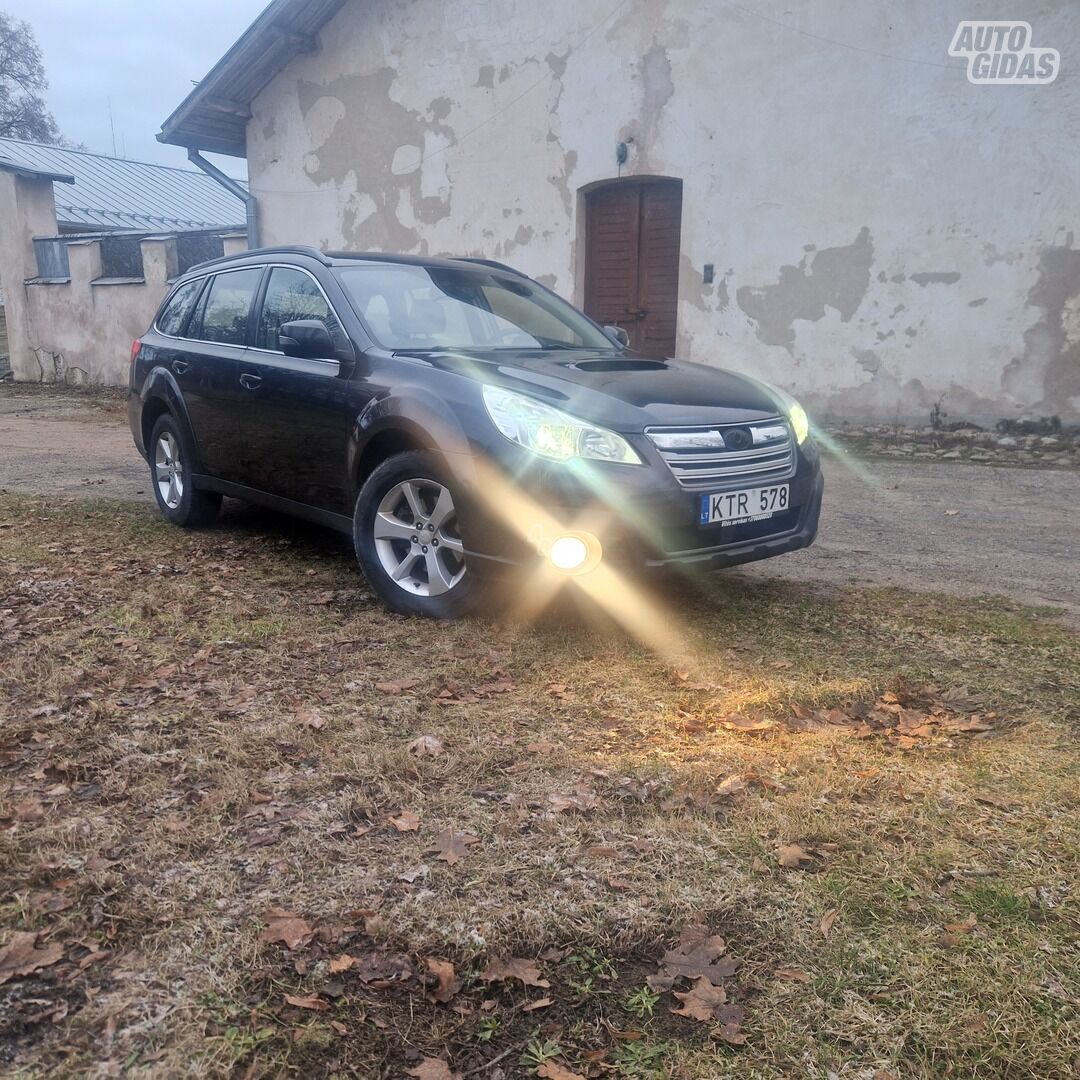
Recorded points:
171,477
405,532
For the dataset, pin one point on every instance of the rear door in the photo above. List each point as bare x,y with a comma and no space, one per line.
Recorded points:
170,348
216,341
296,411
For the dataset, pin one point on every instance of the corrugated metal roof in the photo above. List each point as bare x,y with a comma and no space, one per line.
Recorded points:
113,193
214,115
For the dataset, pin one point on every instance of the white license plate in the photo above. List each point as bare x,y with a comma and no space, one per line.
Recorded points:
739,507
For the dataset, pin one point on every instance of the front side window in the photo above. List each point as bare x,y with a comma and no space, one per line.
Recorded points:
171,319
430,307
291,294
225,308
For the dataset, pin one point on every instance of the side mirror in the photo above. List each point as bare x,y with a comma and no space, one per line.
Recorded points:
618,335
307,339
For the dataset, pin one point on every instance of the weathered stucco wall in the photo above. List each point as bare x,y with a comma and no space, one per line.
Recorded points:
886,235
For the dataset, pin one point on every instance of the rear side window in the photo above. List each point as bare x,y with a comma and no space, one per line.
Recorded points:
290,295
171,319
224,315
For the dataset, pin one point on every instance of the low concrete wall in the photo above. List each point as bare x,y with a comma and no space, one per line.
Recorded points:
77,329
81,330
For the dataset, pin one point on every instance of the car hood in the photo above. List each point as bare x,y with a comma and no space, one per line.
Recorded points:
619,390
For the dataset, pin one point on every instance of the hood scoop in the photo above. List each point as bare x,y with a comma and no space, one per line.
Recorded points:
623,364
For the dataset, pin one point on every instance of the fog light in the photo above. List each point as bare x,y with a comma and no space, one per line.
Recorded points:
569,553
574,553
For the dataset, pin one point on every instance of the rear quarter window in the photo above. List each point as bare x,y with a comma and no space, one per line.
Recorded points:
175,310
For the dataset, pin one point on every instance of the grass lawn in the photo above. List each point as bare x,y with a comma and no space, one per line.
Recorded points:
223,850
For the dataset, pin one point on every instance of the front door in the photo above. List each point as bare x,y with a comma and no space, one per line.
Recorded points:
295,412
632,260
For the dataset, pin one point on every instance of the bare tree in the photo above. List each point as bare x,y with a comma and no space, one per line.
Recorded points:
23,114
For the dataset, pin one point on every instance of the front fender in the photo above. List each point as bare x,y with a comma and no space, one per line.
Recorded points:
423,416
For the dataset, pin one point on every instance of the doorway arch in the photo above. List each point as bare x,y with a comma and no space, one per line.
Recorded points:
632,230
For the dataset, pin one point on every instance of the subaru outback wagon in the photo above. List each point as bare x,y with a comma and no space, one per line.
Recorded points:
459,421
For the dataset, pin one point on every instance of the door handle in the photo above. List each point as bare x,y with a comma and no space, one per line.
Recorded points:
180,366
250,382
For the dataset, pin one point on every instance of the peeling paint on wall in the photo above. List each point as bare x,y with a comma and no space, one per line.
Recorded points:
936,278
392,133
835,277
1052,345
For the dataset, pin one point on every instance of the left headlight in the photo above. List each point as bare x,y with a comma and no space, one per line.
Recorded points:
796,414
551,433
800,422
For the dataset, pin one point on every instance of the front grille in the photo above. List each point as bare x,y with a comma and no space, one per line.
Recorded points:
719,455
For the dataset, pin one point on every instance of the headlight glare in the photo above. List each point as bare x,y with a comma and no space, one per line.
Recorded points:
800,423
551,433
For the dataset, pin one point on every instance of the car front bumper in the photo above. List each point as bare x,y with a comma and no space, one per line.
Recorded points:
639,514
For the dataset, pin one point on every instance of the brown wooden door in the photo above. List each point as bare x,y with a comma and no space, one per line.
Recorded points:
632,260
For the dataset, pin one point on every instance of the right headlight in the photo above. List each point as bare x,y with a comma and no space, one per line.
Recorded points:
551,433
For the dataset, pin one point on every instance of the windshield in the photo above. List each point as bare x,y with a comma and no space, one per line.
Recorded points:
413,308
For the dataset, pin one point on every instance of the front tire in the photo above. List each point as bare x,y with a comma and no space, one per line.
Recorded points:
171,477
405,531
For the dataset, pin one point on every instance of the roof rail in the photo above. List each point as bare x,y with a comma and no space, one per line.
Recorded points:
282,249
489,262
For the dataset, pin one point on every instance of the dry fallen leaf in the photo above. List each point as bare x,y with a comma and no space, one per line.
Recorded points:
433,1069
310,718
448,983
827,921
792,974
699,954
525,970
702,1001
732,785
313,1003
539,1003
792,856
453,846
598,851
582,799
21,957
964,927
406,821
397,687
426,746
730,1017
341,963
29,809
552,1070
286,927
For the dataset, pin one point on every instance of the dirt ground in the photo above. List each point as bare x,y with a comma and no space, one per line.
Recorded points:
951,527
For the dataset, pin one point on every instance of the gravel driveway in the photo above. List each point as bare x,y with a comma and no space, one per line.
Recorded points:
945,526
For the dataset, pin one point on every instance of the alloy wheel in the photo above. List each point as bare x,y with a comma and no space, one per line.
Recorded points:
169,470
417,540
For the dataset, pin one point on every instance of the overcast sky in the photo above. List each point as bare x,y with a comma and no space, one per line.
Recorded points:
140,54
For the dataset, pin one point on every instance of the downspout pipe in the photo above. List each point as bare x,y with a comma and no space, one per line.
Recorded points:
251,205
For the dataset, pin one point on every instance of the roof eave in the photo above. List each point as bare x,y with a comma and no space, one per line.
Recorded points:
213,117
29,172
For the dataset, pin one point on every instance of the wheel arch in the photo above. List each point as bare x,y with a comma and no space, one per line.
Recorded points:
161,395
396,424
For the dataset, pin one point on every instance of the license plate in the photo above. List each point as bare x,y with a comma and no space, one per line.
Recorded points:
739,507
